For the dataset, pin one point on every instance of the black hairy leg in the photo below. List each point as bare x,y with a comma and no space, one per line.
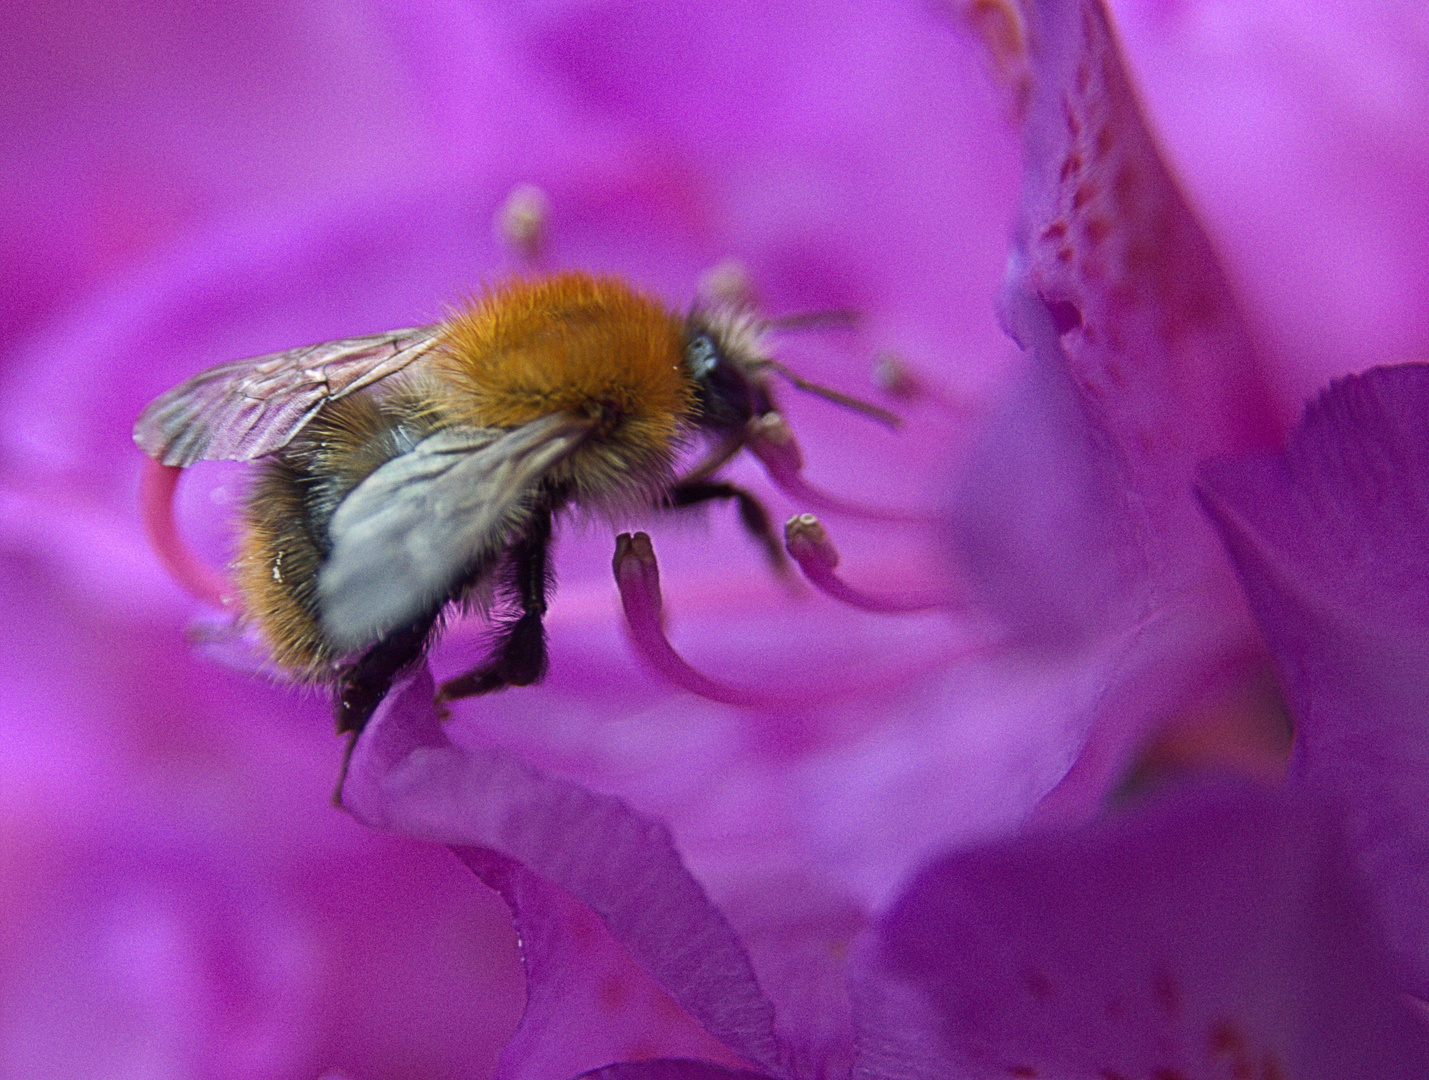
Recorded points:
518,655
752,514
362,686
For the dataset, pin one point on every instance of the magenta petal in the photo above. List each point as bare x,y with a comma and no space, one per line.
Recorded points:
405,775
1039,521
1300,132
1216,933
586,1001
668,1069
1154,338
1141,369
1332,542
1074,517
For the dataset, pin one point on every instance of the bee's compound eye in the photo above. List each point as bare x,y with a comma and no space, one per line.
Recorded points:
701,355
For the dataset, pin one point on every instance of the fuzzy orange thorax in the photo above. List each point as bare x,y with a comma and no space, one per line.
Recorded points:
573,343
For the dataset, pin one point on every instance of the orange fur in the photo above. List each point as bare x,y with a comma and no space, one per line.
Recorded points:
592,347
276,573
571,343
588,346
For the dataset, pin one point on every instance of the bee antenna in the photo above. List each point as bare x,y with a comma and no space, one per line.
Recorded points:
888,419
833,319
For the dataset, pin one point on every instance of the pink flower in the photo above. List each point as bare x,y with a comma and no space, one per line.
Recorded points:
1222,931
1298,133
1215,933
129,128
1154,945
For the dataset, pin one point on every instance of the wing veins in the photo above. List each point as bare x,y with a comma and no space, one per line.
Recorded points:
247,408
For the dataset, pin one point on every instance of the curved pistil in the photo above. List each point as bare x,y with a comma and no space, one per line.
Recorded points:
157,485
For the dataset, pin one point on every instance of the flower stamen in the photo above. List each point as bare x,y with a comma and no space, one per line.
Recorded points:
157,485
523,219
638,577
809,545
772,441
897,379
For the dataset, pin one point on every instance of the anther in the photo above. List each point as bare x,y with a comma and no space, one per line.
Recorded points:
638,577
157,485
895,377
522,220
809,545
727,284
771,440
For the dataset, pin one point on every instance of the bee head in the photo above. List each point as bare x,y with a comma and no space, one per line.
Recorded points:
725,360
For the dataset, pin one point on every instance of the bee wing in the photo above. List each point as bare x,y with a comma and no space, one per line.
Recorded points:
247,408
406,536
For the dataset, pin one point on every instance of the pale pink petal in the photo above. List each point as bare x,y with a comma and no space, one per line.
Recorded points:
1332,542
1141,363
1216,932
1299,130
404,774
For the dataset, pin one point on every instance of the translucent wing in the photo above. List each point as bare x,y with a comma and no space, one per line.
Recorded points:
408,534
247,408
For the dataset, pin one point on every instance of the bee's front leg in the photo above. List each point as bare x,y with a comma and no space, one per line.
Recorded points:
752,514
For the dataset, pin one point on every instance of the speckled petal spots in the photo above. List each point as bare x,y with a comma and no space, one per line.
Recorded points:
1074,520
405,775
1216,932
1332,542
1154,339
1112,281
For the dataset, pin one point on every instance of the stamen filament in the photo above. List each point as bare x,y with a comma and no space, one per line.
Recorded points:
157,485
773,443
811,548
638,576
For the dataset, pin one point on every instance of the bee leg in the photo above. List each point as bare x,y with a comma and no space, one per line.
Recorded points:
752,514
365,683
519,655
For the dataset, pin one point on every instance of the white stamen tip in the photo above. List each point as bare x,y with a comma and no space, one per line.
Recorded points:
523,218
727,284
804,535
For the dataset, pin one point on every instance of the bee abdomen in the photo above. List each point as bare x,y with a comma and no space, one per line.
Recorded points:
285,542
277,572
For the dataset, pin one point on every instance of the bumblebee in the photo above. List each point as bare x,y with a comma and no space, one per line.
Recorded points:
419,471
